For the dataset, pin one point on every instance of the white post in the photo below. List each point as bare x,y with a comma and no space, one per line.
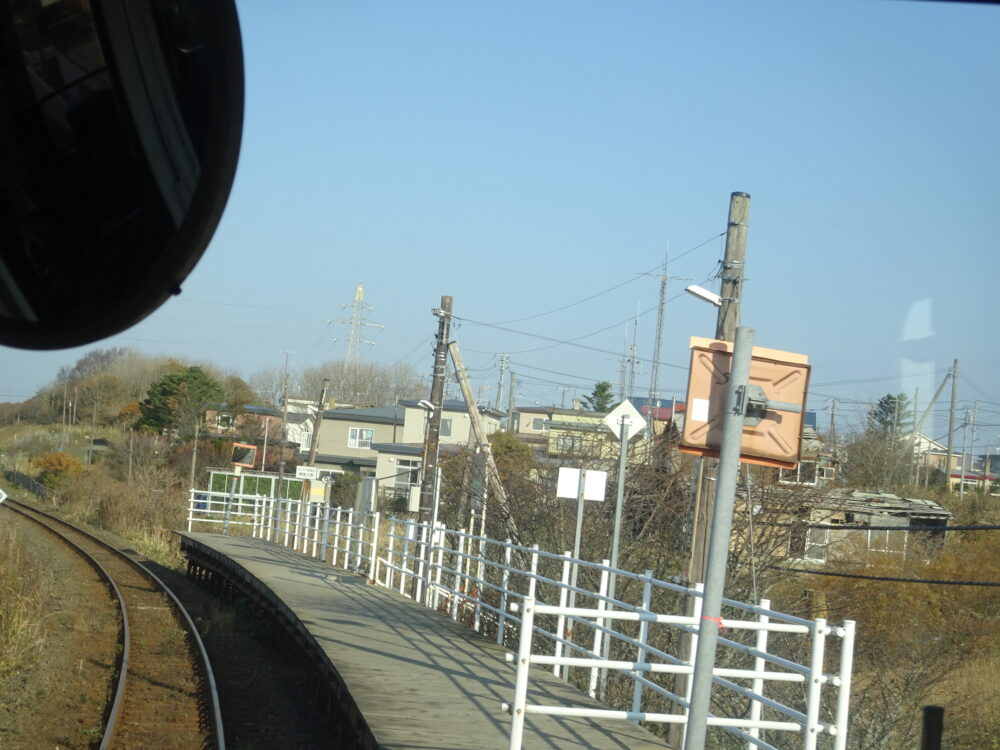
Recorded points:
190,511
561,620
373,552
815,686
533,572
325,544
480,572
760,664
336,539
405,564
517,710
459,580
598,635
390,553
424,548
844,694
504,589
438,548
647,603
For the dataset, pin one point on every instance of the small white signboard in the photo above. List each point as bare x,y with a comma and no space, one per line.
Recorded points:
306,472
594,483
635,424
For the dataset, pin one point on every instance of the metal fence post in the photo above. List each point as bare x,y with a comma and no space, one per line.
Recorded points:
533,572
325,545
480,572
647,605
405,564
598,634
504,589
437,549
518,708
423,546
759,665
373,552
390,553
844,694
288,521
815,686
561,620
459,582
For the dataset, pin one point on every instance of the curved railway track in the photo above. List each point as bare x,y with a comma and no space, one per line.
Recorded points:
161,692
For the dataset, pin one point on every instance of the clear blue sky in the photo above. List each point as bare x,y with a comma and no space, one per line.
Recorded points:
523,156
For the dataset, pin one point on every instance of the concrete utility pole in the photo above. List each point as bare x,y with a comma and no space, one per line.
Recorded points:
314,443
432,439
510,403
725,329
951,422
722,522
504,364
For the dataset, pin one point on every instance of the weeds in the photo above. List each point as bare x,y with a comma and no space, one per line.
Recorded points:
23,592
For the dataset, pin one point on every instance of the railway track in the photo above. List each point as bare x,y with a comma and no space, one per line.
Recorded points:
161,691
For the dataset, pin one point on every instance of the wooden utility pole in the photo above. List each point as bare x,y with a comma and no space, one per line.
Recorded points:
732,267
433,434
314,443
951,422
478,429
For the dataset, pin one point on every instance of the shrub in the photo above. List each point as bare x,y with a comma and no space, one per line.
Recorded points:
55,468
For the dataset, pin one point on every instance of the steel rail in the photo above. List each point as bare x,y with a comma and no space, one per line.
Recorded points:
203,663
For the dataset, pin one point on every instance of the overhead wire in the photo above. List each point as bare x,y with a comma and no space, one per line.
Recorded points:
636,277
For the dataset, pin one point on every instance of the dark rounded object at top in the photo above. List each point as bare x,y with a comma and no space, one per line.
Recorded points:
120,127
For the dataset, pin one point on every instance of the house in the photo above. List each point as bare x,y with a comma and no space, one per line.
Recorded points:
346,437
398,461
816,468
838,523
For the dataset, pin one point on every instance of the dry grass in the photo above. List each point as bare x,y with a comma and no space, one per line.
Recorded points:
23,591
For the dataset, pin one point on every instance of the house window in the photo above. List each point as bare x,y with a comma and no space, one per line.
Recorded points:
816,543
538,424
445,428
827,472
569,443
883,540
359,437
408,474
223,421
804,473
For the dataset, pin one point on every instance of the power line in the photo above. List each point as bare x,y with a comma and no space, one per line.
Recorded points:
609,289
891,579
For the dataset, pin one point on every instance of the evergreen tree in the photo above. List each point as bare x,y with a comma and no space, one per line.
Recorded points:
177,399
602,398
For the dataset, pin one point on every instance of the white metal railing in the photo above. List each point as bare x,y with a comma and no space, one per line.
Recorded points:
339,536
772,674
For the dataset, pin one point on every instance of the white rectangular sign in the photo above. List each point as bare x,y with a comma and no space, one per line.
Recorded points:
594,483
306,472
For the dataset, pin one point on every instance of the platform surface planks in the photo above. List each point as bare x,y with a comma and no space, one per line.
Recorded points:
421,681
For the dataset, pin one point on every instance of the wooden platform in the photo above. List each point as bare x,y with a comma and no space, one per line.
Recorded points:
418,679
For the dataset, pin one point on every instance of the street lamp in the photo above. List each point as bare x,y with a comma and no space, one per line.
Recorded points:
704,294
